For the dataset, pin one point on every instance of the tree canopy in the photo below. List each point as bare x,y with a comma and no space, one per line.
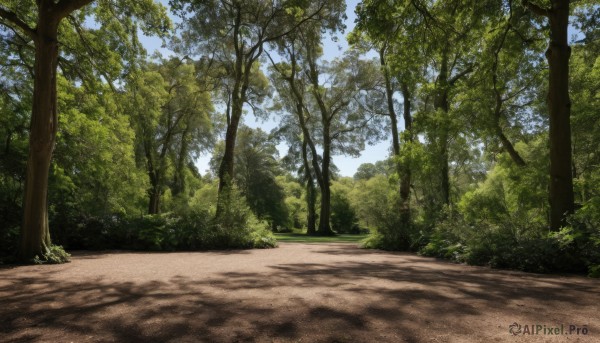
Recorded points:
491,109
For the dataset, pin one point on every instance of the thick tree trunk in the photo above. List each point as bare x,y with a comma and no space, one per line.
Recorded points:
442,104
559,106
35,234
154,176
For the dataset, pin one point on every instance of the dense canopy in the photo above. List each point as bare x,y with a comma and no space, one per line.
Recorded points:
491,110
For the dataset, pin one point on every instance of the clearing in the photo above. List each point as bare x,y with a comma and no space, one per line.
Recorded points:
331,292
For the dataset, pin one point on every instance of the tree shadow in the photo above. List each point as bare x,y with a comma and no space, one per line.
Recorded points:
404,298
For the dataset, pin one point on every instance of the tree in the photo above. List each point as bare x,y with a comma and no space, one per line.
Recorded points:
235,34
339,99
506,81
40,24
257,169
367,171
292,92
562,202
375,30
256,173
93,171
343,216
170,111
293,88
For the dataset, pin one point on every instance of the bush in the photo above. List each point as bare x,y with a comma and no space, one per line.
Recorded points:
193,229
343,216
54,255
509,244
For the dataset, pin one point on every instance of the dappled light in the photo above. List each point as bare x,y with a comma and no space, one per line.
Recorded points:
299,171
338,293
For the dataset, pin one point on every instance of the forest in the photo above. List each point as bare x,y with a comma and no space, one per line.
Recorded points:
491,108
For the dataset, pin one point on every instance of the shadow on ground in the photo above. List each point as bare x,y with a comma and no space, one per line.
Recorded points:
374,296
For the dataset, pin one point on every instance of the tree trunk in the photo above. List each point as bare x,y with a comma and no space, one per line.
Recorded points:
559,106
226,167
510,149
389,92
405,176
323,175
311,195
179,175
154,203
442,104
403,170
35,233
325,214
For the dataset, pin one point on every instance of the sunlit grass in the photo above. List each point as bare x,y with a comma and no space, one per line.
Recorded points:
303,238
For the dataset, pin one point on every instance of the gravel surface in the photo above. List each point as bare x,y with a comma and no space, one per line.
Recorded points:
295,293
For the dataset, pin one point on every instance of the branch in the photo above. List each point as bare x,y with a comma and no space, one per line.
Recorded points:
536,9
66,7
458,76
13,18
297,25
352,128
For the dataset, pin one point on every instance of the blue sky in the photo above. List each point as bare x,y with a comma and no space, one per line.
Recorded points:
346,165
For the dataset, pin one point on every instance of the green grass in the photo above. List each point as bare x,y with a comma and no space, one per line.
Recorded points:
303,238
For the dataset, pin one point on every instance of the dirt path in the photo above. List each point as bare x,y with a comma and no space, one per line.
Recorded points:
296,293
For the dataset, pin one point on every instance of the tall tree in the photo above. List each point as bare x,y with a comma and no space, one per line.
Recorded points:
235,33
397,56
170,111
562,202
292,91
341,101
506,81
40,22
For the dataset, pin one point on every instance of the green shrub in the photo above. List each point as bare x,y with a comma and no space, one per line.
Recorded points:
343,216
262,237
54,255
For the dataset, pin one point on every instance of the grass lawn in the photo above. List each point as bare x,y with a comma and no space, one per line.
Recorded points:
303,238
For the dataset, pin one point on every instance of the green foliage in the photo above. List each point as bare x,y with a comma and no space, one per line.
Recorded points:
256,174
367,171
343,216
524,248
55,254
377,203
196,230
502,223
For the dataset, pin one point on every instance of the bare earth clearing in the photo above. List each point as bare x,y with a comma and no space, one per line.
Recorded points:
296,293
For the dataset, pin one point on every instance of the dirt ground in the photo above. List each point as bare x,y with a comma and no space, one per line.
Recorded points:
296,293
